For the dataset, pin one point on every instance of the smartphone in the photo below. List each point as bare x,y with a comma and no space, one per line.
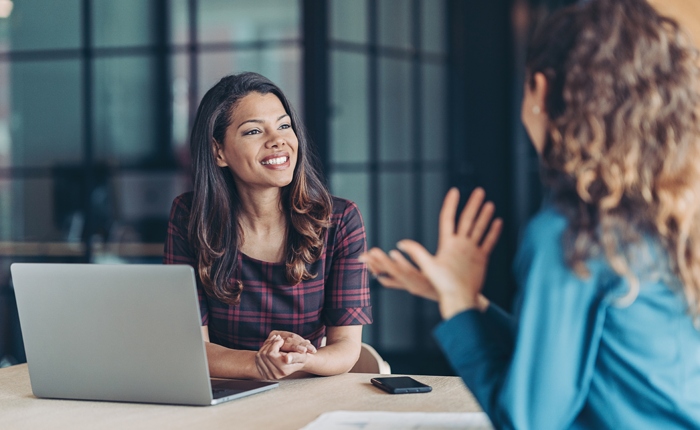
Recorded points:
401,385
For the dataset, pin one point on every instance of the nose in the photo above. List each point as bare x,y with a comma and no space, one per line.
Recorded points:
276,140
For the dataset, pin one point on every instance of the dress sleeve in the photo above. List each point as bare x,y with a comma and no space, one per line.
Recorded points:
347,285
540,380
179,251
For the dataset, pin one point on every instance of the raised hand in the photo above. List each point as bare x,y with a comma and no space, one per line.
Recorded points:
395,271
458,268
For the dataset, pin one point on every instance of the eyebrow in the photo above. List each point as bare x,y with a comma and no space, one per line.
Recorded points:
259,121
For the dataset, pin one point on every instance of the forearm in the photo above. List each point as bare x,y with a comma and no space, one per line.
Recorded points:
477,353
231,363
334,359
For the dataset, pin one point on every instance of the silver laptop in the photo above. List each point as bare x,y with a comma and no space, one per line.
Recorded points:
127,333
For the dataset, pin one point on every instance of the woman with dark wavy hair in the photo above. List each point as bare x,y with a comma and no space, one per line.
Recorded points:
606,332
275,254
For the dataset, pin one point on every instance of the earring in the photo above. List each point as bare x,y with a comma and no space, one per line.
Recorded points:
536,110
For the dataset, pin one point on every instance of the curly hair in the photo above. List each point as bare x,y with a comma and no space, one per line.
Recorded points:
213,227
622,154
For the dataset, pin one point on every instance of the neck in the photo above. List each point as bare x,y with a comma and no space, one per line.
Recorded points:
262,212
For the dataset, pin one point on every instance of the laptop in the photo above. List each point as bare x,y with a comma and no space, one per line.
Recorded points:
126,333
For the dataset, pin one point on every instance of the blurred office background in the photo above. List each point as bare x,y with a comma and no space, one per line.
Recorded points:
403,98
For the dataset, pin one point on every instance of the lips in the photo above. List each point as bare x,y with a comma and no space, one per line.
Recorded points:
279,161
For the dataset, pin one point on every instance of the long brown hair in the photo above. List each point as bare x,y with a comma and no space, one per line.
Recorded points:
214,228
622,153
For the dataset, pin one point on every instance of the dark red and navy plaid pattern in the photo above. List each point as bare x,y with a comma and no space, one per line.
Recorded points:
337,296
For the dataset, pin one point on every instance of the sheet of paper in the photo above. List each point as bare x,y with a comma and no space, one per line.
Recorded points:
351,420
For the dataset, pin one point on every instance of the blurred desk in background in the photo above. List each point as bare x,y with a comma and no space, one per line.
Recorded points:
293,405
77,249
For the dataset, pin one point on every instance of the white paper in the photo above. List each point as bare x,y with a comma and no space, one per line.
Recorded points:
350,420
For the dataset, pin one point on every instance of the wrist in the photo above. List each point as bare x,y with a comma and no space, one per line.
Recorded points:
451,305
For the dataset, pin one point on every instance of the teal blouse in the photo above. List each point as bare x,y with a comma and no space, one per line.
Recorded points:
572,357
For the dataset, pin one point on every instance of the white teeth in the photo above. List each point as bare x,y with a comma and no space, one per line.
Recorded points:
278,160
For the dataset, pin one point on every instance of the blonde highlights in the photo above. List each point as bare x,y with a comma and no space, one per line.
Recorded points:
623,154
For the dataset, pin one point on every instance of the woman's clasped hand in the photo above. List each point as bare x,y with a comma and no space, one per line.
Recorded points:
455,275
282,354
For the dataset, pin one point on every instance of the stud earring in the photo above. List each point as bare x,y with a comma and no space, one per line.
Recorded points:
536,110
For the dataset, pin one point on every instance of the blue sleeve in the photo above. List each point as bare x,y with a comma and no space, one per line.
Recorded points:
502,324
541,381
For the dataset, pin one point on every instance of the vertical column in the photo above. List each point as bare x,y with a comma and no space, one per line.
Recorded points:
193,61
162,85
419,323
316,81
373,126
88,138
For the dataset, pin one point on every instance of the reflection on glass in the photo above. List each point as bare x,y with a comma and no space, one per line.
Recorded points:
348,20
123,23
45,126
5,137
6,221
280,65
355,187
31,216
433,110
434,190
349,119
433,26
397,209
395,23
125,126
248,20
181,109
42,24
179,22
395,107
396,311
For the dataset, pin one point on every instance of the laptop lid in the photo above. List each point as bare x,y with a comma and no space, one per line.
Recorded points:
114,332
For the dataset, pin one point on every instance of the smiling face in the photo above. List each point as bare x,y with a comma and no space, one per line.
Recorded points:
260,146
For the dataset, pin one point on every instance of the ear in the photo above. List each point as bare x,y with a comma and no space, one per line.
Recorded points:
219,154
540,90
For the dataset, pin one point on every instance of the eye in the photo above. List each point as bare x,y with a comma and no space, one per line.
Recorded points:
253,131
285,126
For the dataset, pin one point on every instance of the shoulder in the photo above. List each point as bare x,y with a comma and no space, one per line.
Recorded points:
541,243
181,206
346,223
545,229
344,212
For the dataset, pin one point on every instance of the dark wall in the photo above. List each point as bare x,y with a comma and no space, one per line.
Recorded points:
481,100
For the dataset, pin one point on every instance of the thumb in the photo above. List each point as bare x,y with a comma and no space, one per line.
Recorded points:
417,252
293,357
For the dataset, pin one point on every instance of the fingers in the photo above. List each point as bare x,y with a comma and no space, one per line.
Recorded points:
447,216
385,264
406,267
471,209
492,235
381,267
482,222
293,342
265,356
416,251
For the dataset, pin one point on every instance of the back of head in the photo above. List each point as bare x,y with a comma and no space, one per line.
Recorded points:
622,153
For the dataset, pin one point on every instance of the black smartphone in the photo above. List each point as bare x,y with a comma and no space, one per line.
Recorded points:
401,385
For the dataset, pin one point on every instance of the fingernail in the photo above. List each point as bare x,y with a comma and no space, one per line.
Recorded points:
399,245
289,359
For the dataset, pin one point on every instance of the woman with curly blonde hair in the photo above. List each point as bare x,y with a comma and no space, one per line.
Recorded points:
605,333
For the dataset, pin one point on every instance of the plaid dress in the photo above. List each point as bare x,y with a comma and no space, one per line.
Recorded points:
337,296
